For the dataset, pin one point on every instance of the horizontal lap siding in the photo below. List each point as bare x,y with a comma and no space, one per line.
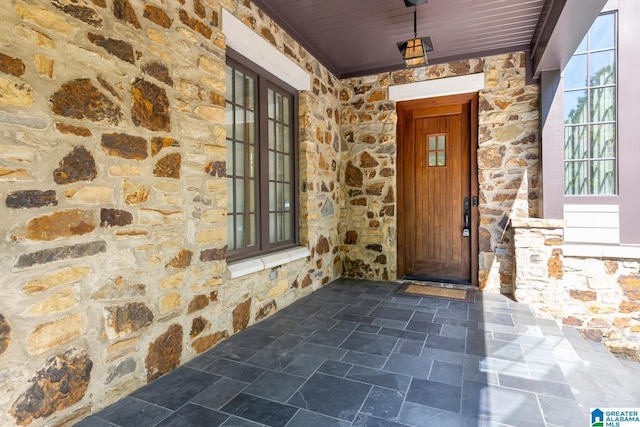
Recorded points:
592,224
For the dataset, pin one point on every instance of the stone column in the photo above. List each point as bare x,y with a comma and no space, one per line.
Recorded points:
538,269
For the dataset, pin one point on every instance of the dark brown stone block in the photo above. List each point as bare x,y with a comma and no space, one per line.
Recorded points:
128,318
375,189
390,197
218,169
367,160
80,99
213,254
266,310
351,238
5,334
307,281
629,307
164,353
125,146
195,24
572,321
591,334
241,316
159,143
353,176
203,344
199,9
198,325
115,217
11,65
83,13
31,199
582,295
118,48
66,223
484,240
73,130
181,260
554,264
198,303
374,247
150,108
356,268
381,259
106,85
323,245
78,165
157,16
158,71
168,166
61,383
266,33
61,253
124,12
100,3
630,285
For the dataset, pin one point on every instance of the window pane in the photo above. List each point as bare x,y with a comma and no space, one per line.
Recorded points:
252,166
231,205
271,101
250,93
575,107
575,73
603,141
603,177
239,88
583,45
272,197
441,142
575,142
240,231
286,113
230,233
228,120
287,139
280,197
287,226
251,127
279,137
278,114
286,175
251,183
432,143
252,231
280,167
272,135
286,190
239,195
229,157
441,158
602,68
239,159
432,158
602,33
603,104
228,94
240,124
272,228
575,178
272,165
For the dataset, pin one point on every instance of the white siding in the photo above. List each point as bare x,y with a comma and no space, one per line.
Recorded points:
592,224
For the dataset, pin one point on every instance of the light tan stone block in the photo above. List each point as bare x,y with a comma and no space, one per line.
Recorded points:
122,348
212,235
56,278
46,18
280,289
167,187
63,300
15,93
170,302
7,174
17,153
34,37
174,281
212,66
135,194
159,217
213,114
125,170
97,195
44,65
52,334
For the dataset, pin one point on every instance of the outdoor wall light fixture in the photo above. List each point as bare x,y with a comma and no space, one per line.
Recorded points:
414,51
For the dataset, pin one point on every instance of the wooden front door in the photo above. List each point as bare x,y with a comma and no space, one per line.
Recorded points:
437,192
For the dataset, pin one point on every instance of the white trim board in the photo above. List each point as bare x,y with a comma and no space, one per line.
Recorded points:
247,43
438,87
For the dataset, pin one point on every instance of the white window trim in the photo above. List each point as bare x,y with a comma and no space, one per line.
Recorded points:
247,43
266,262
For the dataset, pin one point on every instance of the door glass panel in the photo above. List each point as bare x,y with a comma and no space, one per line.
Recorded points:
272,165
432,143
441,159
272,228
286,113
251,183
228,120
432,158
250,93
271,104
441,142
231,195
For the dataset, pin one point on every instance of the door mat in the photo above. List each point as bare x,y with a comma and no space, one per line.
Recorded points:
436,290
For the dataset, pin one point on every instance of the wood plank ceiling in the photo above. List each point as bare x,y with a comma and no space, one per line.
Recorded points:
358,37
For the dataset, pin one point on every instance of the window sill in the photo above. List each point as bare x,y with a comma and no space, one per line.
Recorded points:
265,262
601,251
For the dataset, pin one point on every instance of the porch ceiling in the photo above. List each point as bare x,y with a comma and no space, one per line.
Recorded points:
358,37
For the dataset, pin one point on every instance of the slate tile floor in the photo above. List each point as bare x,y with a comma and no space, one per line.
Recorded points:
356,354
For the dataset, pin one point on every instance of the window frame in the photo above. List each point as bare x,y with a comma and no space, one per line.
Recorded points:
263,82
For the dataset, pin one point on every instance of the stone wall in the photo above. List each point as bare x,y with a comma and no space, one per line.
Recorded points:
598,296
508,165
113,198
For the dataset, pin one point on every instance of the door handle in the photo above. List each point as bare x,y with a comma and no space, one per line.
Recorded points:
466,230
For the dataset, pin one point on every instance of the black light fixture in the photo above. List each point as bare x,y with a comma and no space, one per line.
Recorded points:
414,51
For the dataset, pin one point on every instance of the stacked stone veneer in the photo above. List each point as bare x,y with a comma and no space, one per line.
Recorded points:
508,165
599,296
113,198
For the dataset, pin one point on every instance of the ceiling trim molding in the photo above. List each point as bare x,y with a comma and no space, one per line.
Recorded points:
247,43
439,87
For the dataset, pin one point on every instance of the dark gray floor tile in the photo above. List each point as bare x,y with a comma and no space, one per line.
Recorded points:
305,365
221,392
548,388
364,359
424,327
391,314
134,413
359,318
184,382
333,367
191,415
93,421
399,333
452,331
447,313
331,338
448,373
434,303
365,420
370,329
311,419
444,355
412,348
344,325
260,410
236,370
381,378
287,342
200,362
424,316
273,358
383,403
318,323
473,324
501,405
276,386
239,422
292,327
435,395
319,350
389,323
418,415
502,350
367,343
445,343
563,412
228,351
254,338
333,396
409,365
490,317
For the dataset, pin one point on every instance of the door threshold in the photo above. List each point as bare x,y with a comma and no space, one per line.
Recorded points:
439,282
